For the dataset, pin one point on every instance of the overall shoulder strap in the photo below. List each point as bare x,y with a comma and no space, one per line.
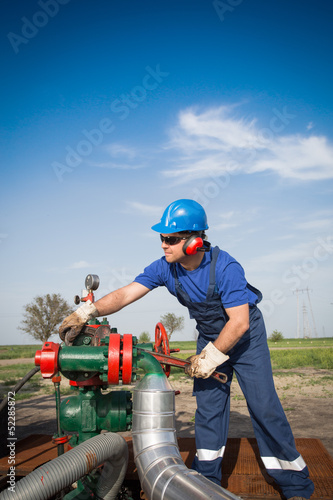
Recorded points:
212,281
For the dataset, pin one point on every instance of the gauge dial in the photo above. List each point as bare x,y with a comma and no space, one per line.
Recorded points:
92,282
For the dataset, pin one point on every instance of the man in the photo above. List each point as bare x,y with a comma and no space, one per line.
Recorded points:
212,285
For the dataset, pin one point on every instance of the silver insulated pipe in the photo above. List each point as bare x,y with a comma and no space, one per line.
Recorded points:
162,472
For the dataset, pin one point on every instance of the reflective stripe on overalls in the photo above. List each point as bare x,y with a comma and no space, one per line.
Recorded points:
250,360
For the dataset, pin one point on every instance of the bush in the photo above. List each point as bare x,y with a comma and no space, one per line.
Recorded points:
276,336
144,338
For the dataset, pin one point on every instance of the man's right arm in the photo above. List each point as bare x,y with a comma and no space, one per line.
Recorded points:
120,298
109,304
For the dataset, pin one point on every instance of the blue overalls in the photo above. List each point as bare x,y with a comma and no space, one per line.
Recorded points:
250,360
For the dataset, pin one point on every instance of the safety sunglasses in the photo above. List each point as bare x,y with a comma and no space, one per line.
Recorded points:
172,240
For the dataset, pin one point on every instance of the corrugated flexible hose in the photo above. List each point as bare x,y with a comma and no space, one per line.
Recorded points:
64,470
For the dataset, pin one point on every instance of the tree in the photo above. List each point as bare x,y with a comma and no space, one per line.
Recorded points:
144,338
172,323
276,336
43,315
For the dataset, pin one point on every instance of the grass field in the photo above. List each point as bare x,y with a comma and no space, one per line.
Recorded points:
28,351
287,354
296,343
18,351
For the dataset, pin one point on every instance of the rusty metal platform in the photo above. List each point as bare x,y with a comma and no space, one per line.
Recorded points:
242,470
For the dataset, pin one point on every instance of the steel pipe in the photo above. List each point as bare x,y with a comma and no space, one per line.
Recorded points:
162,472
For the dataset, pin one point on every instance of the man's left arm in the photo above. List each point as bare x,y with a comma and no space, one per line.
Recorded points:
234,329
215,353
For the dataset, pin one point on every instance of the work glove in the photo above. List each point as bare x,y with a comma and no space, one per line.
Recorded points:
73,324
204,364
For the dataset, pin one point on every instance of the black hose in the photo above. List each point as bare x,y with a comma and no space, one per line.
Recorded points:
19,385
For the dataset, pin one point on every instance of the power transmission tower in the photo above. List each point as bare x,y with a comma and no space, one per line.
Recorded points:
297,300
306,324
313,321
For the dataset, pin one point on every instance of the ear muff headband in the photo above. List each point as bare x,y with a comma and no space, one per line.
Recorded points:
192,245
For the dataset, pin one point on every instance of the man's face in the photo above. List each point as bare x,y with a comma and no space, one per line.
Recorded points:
174,253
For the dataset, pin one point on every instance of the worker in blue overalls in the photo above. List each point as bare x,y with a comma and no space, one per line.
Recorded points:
232,338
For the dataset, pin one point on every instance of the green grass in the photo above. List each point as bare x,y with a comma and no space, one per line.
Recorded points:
185,345
11,374
296,343
302,358
15,372
18,351
313,357
29,351
288,343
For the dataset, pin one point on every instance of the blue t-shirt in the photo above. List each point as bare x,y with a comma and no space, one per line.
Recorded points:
229,275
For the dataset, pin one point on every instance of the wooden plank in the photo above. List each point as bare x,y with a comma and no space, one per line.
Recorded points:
30,453
242,470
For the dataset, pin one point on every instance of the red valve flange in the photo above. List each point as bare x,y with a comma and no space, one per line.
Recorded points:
127,353
47,359
114,359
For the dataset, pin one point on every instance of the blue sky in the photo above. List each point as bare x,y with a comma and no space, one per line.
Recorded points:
112,110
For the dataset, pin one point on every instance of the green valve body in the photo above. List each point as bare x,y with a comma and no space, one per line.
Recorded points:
89,412
92,365
82,362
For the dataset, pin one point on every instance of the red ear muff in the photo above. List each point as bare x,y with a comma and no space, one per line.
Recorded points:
192,245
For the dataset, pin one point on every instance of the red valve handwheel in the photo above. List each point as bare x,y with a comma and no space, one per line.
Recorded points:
162,345
127,353
114,359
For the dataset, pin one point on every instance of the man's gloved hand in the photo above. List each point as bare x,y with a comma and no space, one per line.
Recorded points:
75,321
204,364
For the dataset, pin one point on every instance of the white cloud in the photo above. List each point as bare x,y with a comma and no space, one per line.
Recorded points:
119,166
224,225
82,264
214,142
144,209
227,215
116,150
317,224
120,157
279,261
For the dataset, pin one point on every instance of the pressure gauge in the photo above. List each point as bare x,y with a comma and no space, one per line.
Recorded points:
92,282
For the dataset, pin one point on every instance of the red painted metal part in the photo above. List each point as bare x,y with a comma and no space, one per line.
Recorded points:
162,345
127,353
47,359
60,440
114,359
90,297
89,382
182,363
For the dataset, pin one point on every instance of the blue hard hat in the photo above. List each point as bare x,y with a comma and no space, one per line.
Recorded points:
182,215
